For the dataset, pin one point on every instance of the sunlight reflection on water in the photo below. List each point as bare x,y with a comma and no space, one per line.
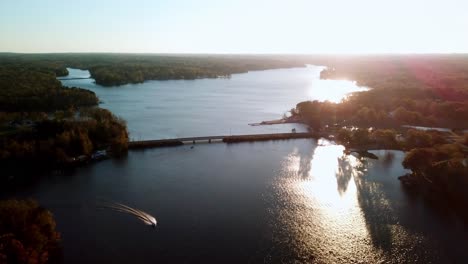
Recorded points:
187,108
332,90
327,211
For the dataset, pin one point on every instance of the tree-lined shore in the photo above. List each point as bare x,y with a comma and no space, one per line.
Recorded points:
110,69
44,125
430,91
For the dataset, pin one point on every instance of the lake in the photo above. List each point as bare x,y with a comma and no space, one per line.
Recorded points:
210,107
289,201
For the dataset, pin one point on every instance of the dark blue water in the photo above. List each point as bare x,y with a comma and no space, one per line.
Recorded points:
279,201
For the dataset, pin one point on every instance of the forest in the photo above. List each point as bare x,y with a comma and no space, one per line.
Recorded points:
416,90
23,90
110,69
44,125
28,233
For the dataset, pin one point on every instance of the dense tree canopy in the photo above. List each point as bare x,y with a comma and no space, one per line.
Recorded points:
425,90
51,142
27,233
26,90
44,124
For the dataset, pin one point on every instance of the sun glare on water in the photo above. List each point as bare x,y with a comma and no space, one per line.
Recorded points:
330,181
326,217
332,90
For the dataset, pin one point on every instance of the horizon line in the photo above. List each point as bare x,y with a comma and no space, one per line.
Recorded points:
239,54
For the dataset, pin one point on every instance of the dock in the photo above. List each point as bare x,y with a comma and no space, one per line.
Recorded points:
209,139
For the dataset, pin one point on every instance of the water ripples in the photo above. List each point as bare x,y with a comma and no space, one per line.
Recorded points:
329,212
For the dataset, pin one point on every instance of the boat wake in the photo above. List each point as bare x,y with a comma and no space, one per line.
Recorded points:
118,207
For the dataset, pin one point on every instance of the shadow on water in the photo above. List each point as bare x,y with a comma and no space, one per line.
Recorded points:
344,174
387,160
305,156
377,212
361,214
395,219
372,201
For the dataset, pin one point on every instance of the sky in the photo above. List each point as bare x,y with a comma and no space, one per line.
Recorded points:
240,26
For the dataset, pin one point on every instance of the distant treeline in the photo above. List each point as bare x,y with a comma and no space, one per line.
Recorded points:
425,90
118,69
26,90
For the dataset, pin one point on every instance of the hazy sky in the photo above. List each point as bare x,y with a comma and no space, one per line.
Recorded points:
240,26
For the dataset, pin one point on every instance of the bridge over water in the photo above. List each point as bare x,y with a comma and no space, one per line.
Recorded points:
222,138
73,78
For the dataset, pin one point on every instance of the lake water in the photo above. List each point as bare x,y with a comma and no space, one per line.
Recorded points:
264,202
208,107
290,201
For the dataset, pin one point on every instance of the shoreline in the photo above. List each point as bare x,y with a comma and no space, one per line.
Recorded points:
288,120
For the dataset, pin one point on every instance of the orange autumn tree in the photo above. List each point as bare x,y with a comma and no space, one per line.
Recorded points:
27,232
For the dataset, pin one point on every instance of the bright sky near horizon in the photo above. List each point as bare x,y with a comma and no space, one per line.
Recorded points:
241,26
